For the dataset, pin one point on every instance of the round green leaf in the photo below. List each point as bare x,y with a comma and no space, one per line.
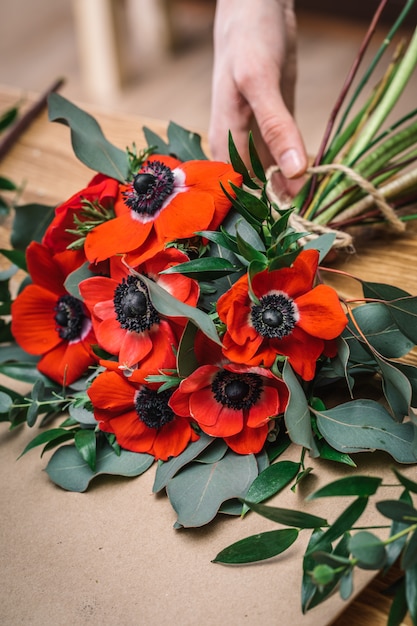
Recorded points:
368,549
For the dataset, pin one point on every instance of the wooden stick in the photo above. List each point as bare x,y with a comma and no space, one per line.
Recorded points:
27,118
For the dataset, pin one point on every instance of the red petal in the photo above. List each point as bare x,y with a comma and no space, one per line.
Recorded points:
33,323
67,362
172,439
116,236
321,314
249,440
111,391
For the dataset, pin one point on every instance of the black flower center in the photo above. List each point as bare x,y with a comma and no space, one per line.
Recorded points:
152,407
149,188
236,391
69,317
133,307
274,316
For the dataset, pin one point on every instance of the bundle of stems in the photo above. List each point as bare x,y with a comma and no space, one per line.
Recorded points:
363,152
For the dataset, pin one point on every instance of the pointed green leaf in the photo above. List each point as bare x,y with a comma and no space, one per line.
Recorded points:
204,268
88,140
290,517
342,524
353,485
398,510
239,166
409,484
381,291
46,437
411,591
258,547
86,443
409,555
17,257
394,548
68,470
255,161
271,481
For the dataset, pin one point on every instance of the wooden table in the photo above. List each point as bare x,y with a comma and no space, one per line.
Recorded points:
111,556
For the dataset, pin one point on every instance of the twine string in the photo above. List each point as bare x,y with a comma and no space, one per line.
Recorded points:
342,239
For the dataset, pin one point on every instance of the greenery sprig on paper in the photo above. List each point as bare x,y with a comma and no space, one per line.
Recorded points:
173,315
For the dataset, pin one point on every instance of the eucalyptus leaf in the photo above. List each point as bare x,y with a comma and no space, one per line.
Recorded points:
362,425
322,243
68,470
167,469
271,481
213,453
404,313
82,415
184,144
88,140
5,402
167,305
297,414
73,280
376,323
397,388
368,549
399,609
197,492
346,585
258,547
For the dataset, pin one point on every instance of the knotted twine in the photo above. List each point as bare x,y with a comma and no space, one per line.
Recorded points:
343,240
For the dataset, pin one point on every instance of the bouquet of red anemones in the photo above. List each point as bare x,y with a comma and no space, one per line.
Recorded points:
174,314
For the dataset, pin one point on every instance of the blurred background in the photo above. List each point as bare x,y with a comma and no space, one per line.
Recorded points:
154,57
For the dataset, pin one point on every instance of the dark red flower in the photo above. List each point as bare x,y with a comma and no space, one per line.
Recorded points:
48,321
234,402
290,317
101,189
127,324
167,200
139,416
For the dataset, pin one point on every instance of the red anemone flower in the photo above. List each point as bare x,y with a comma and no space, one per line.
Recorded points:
101,189
290,317
48,321
139,416
166,200
234,402
127,324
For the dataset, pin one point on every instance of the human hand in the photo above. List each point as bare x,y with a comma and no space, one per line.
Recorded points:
253,86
